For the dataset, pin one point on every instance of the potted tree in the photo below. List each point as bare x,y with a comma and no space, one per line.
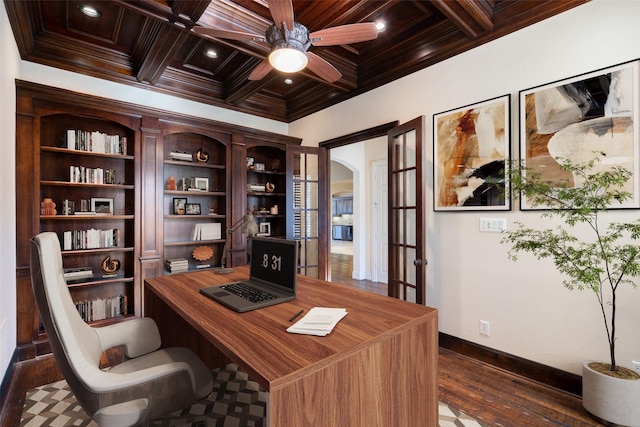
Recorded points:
601,263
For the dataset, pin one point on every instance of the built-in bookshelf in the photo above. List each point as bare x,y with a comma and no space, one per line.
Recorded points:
87,197
195,202
95,172
266,189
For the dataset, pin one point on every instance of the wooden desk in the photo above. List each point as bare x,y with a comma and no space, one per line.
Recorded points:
377,368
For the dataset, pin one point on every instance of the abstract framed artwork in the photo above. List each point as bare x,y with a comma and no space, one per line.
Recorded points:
470,147
578,118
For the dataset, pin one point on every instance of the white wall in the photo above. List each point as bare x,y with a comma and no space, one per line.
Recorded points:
469,276
8,72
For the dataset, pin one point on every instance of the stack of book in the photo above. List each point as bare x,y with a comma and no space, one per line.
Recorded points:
79,273
177,265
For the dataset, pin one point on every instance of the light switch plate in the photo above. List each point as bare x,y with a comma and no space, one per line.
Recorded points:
495,225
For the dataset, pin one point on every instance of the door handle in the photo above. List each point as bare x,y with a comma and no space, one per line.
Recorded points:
418,262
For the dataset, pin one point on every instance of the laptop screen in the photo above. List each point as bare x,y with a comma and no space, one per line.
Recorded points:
274,260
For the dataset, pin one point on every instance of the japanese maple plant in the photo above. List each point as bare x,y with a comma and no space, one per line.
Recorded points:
602,259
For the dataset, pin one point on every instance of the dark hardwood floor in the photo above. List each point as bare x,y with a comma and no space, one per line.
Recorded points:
491,395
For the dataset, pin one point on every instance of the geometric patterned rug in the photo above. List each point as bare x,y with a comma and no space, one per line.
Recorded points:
236,401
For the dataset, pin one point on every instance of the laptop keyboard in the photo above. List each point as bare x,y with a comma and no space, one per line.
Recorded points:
248,292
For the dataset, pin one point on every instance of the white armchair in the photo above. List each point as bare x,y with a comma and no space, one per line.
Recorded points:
149,384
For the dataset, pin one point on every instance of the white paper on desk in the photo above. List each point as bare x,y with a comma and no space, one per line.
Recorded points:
318,321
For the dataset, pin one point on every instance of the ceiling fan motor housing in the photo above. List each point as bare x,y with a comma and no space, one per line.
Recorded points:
296,38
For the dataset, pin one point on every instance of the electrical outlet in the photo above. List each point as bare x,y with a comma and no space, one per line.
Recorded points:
636,366
485,328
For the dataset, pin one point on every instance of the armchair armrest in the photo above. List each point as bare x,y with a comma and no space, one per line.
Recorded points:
139,336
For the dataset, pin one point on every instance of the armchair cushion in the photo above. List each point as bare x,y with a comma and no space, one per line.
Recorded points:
139,336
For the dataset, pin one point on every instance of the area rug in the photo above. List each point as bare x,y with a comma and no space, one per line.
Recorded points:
236,401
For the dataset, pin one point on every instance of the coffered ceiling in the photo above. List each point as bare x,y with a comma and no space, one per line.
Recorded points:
151,44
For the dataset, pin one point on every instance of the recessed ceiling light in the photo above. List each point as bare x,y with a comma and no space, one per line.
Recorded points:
90,11
288,81
380,26
211,53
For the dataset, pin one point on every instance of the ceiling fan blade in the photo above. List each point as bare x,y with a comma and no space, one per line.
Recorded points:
344,34
322,68
228,34
261,70
282,11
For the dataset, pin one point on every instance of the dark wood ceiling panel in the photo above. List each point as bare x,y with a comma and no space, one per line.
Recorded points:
150,44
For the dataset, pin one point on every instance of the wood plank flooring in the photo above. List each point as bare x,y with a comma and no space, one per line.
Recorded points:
491,395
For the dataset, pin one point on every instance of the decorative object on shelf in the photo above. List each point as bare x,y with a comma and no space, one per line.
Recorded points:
202,156
255,210
275,165
84,205
249,228
110,266
213,207
269,187
274,210
171,184
201,184
179,205
48,207
102,205
183,156
192,209
202,254
263,211
259,167
265,229
250,162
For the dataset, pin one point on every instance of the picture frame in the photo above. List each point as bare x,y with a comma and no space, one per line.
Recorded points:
577,118
192,209
102,205
201,184
250,162
179,205
264,229
471,146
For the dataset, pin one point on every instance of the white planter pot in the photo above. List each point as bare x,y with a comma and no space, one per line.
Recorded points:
611,399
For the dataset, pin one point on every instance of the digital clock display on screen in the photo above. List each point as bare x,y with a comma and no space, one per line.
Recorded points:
274,260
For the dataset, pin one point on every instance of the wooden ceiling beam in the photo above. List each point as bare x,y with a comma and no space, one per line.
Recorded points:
472,17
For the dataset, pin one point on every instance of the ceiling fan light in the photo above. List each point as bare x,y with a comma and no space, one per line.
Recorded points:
287,58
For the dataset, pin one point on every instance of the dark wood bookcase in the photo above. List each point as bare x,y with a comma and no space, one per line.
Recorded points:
202,183
148,230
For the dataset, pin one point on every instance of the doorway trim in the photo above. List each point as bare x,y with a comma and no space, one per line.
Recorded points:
352,138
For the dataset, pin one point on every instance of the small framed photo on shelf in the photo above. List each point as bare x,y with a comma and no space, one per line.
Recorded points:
102,205
264,229
192,208
250,162
202,184
179,205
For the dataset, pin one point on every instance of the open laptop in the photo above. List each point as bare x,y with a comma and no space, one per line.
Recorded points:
272,277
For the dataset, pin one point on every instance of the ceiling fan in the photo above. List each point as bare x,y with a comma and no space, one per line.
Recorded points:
290,41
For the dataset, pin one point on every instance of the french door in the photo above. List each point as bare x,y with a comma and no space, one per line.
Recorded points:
307,201
407,261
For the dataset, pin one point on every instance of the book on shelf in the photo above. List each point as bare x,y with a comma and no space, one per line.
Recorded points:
177,264
90,239
181,155
78,273
85,175
207,231
96,142
102,308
